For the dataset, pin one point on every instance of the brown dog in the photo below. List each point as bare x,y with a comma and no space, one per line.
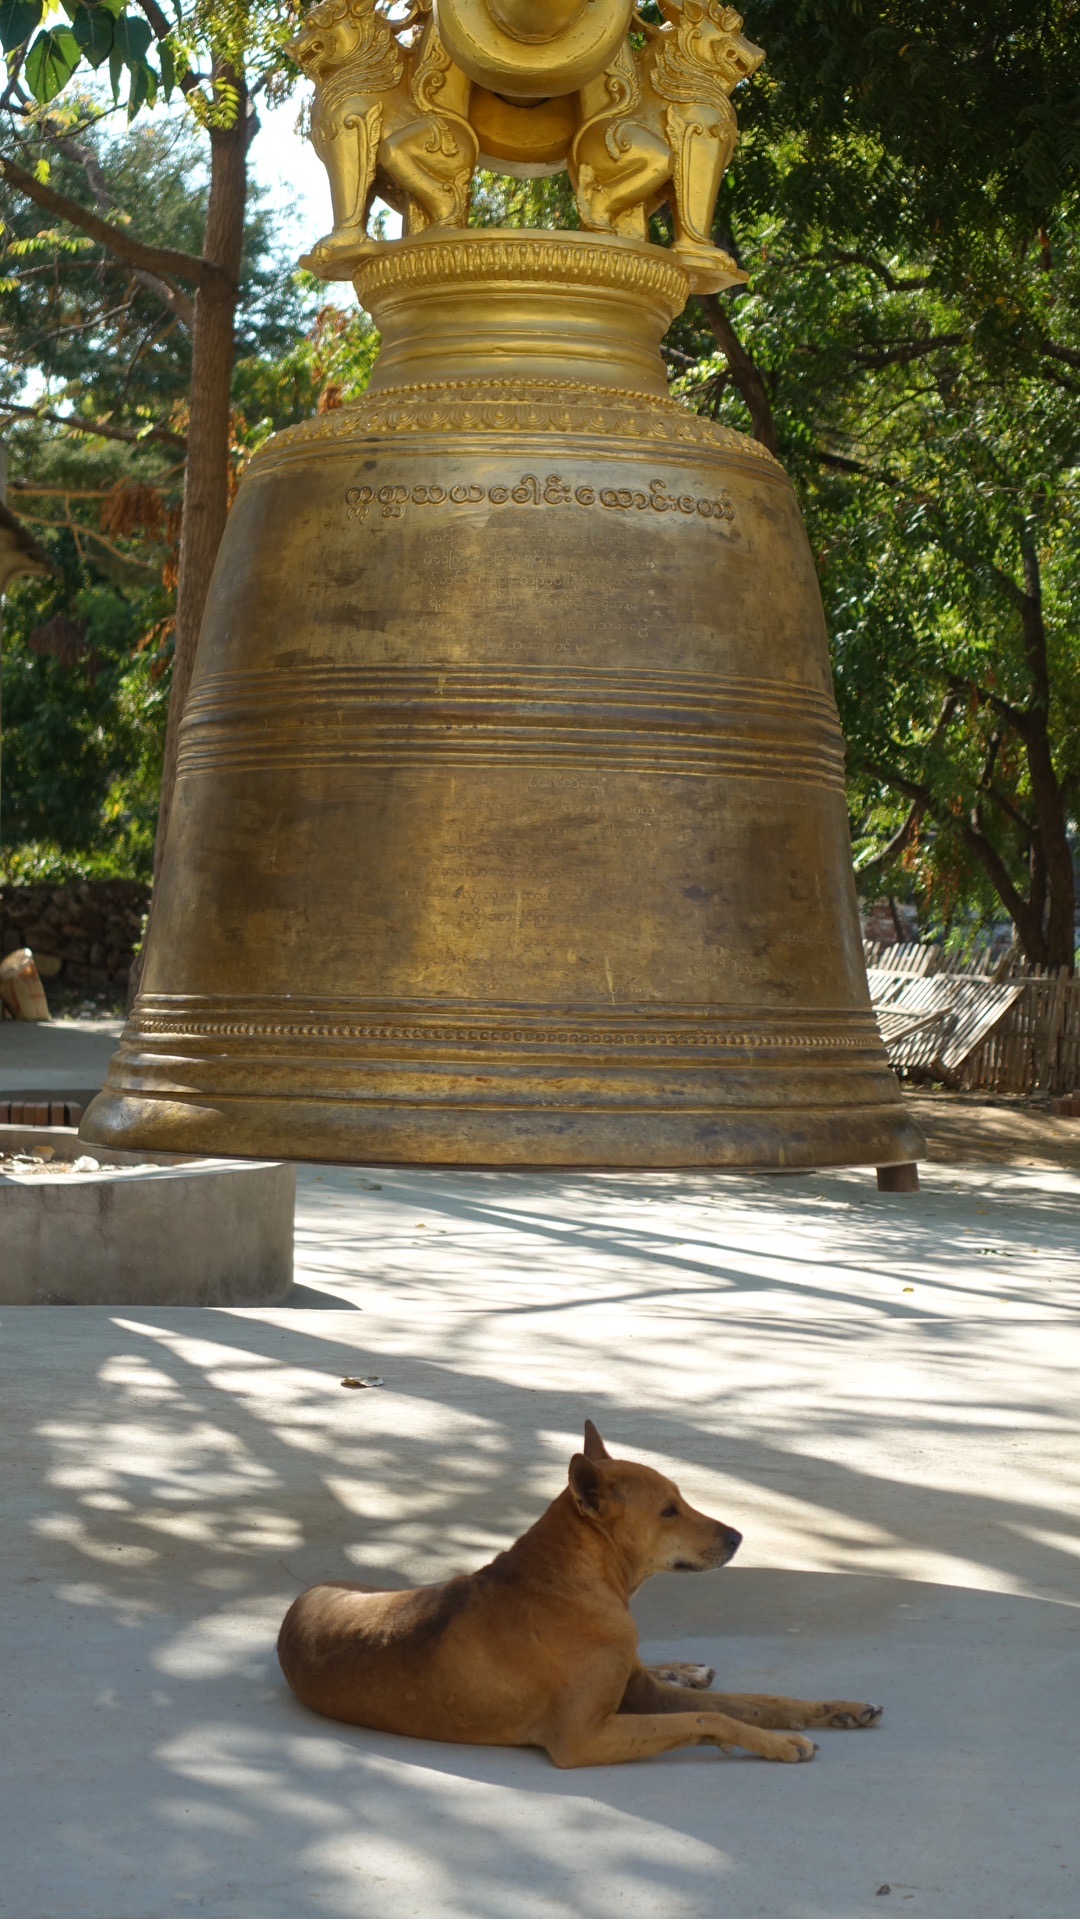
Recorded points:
539,1648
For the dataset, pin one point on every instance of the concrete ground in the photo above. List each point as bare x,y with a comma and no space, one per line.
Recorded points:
56,1057
878,1390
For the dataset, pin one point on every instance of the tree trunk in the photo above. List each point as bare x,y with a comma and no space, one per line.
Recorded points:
1058,927
206,473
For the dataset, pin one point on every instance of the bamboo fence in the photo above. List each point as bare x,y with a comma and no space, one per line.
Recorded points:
1011,1030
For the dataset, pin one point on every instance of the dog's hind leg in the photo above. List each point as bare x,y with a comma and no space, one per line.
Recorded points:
761,1709
648,1693
680,1672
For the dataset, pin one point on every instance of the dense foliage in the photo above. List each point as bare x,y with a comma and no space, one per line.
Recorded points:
905,198
93,396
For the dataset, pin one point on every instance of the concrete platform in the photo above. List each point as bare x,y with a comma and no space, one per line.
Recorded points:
880,1391
138,1228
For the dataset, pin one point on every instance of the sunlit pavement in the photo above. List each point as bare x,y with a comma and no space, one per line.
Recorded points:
879,1391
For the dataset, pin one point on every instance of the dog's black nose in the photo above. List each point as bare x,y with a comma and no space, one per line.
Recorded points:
732,1539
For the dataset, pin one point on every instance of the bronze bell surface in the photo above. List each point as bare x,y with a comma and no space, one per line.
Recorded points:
510,824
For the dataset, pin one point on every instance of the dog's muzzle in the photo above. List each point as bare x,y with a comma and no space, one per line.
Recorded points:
725,1547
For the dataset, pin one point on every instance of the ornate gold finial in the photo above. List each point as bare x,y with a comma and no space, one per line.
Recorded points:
409,103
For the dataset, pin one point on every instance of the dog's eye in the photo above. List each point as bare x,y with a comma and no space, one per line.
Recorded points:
670,1512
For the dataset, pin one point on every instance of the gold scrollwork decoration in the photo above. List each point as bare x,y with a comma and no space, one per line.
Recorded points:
521,406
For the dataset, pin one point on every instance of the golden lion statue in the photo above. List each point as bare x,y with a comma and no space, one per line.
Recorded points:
407,106
390,116
660,126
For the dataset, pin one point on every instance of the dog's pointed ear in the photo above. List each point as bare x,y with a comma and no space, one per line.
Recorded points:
594,1445
586,1482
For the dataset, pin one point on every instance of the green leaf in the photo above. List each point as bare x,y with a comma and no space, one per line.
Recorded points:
51,62
116,68
131,39
18,18
139,89
168,68
93,29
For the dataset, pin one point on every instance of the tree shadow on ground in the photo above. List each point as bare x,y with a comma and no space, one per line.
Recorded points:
184,1473
177,1476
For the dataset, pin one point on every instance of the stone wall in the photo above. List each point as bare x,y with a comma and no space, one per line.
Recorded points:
82,935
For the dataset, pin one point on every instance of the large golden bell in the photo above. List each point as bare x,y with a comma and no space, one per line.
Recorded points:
510,824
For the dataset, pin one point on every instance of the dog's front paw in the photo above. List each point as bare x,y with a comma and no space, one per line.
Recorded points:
849,1715
792,1749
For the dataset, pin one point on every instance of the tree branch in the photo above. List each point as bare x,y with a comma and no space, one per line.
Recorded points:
96,429
1011,812
921,801
1015,715
876,358
161,27
1060,380
675,357
1017,907
81,531
744,371
1008,585
1068,355
59,492
881,270
173,297
987,790
13,90
858,467
164,262
899,844
911,789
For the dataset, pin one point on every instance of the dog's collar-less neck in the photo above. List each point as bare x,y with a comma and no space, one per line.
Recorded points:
625,1584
